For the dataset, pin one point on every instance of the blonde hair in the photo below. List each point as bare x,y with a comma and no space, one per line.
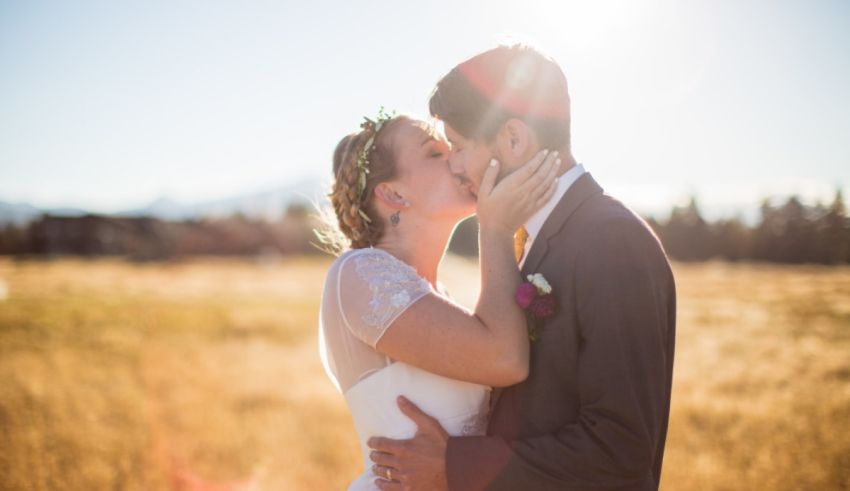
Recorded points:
352,230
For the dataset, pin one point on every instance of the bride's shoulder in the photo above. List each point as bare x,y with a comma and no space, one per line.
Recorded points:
359,255
371,264
363,260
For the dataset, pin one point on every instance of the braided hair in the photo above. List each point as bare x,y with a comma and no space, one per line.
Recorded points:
358,220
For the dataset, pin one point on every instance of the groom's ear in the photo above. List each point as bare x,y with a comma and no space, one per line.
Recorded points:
514,141
388,195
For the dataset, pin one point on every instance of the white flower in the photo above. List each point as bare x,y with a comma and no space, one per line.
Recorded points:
540,283
400,299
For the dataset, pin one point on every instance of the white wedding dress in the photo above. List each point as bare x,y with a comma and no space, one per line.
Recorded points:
365,291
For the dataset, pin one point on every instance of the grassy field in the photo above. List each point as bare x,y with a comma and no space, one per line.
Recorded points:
204,374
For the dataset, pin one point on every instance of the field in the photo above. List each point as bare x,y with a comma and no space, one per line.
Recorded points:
204,375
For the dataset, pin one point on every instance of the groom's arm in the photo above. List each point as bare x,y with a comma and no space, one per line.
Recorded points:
624,300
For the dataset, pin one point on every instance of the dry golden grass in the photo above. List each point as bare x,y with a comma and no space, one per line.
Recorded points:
205,375
761,396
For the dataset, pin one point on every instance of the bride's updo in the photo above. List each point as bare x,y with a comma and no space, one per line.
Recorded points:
352,208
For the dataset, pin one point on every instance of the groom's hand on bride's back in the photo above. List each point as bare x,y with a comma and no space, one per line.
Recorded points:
415,464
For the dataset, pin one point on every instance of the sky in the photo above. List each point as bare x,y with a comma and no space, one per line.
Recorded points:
111,105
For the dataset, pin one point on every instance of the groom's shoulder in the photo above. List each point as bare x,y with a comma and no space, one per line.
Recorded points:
605,218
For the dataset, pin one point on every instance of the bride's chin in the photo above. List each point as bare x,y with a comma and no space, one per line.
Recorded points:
468,211
469,199
462,213
468,203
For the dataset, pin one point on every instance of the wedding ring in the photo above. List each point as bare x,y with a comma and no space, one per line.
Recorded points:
389,474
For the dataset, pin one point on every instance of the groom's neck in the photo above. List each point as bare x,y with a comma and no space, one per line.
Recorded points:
567,162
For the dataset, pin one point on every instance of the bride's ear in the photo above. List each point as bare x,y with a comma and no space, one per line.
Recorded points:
386,194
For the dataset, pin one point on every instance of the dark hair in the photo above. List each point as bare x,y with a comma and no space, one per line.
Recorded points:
472,114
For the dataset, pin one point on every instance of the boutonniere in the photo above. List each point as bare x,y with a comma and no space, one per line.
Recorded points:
535,298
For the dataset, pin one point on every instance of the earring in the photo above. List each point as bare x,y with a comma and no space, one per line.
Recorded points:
395,218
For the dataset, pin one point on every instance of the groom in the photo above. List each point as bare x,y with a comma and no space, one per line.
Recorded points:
593,412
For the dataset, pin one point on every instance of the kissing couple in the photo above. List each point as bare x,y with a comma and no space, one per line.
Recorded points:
561,376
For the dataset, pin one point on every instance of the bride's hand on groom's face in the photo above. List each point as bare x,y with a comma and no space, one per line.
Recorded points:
508,204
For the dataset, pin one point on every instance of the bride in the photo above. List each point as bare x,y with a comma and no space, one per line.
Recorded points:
387,328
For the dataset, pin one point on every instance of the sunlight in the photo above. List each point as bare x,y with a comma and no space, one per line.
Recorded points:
580,26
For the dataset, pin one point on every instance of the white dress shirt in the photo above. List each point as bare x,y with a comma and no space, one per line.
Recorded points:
535,223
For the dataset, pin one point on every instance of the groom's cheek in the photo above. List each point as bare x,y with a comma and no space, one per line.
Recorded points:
475,165
475,181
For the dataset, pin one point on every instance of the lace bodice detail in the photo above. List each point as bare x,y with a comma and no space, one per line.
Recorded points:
365,292
394,286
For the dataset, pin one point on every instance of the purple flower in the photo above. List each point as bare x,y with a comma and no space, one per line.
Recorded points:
525,294
543,306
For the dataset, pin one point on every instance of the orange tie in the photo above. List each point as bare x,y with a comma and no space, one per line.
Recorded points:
520,237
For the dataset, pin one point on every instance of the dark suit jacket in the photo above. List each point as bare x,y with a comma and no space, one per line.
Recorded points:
592,414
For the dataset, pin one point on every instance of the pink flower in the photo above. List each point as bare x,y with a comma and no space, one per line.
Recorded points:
525,294
543,306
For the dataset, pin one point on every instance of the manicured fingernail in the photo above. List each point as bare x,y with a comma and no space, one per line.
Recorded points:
494,162
546,151
558,162
555,154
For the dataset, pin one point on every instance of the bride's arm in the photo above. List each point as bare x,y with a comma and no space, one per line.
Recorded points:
488,346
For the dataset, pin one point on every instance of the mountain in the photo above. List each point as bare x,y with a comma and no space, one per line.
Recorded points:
269,204
17,213
23,213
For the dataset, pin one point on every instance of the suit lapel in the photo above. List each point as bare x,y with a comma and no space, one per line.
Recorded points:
584,187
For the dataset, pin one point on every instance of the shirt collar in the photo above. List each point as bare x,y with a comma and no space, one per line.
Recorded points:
535,223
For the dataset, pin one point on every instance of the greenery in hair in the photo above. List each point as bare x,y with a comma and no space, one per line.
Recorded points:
372,126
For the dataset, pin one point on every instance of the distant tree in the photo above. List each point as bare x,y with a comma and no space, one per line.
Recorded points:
766,233
834,231
686,235
12,239
732,239
797,242
796,233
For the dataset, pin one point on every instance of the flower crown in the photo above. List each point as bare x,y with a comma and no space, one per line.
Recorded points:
363,159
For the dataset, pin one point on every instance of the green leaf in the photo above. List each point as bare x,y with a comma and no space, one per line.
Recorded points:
365,216
361,184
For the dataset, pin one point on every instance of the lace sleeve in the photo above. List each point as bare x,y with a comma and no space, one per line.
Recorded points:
374,289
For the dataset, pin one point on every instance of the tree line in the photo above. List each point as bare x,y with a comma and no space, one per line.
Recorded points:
147,238
785,232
